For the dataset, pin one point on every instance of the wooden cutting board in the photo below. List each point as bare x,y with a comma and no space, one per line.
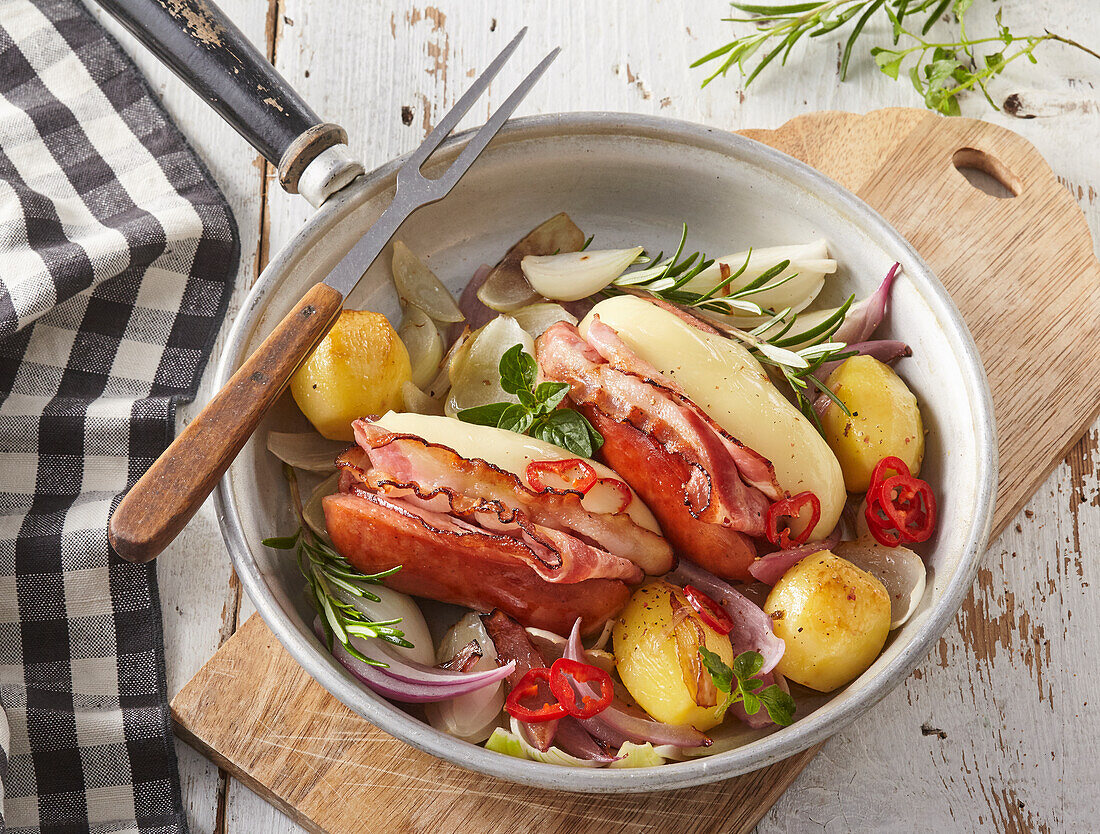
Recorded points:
1022,271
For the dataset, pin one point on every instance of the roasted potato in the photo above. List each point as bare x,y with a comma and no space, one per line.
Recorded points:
834,618
358,370
656,666
885,420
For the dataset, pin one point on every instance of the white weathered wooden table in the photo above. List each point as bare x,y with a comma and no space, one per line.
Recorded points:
1003,739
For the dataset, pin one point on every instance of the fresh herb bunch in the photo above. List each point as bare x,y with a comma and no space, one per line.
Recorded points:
325,570
537,413
667,278
796,358
741,685
941,71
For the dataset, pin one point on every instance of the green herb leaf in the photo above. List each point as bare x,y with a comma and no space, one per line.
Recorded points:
484,415
517,370
517,418
550,394
282,542
779,27
747,665
720,673
568,429
779,704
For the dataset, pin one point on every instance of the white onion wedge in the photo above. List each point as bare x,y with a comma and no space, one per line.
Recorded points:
416,401
571,276
423,342
899,569
507,289
535,318
392,605
305,450
416,284
471,717
475,376
313,512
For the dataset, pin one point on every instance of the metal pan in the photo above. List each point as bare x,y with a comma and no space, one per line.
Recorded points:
626,179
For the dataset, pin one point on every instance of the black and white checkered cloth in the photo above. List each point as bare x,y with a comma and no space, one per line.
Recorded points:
117,254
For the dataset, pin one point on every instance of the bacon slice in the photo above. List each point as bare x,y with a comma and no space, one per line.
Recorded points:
447,559
727,483
721,550
405,461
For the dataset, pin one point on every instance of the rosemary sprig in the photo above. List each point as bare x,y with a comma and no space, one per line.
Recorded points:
794,358
326,571
941,71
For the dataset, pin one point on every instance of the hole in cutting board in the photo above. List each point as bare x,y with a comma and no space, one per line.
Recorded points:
985,173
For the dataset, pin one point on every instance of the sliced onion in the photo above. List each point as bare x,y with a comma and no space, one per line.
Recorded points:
552,646
899,569
423,342
535,318
752,628
506,288
305,450
620,722
475,378
416,284
571,276
866,315
410,671
769,569
418,402
556,755
884,350
477,314
470,717
313,511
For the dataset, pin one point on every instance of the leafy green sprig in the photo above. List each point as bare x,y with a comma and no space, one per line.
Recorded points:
325,571
740,685
537,413
941,71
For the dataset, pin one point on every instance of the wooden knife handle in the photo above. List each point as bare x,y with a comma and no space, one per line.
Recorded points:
158,506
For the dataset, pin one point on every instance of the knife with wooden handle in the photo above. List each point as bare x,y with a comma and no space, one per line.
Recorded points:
161,503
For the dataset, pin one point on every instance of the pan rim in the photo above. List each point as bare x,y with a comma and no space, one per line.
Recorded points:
760,753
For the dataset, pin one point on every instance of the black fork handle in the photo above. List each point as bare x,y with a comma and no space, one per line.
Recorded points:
203,47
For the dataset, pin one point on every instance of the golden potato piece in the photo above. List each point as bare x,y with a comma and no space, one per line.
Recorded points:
885,420
834,618
358,370
650,662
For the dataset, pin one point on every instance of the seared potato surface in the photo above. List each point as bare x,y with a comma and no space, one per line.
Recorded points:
357,371
833,617
885,420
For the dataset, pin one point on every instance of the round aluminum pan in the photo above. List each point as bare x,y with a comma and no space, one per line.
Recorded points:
628,179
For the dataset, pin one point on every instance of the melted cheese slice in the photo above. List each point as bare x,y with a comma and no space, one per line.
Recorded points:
512,452
723,379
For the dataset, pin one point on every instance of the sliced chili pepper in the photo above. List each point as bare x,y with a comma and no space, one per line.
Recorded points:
710,612
911,506
564,670
900,507
527,687
789,508
625,495
572,473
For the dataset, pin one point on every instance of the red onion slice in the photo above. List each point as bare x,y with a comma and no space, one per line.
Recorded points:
865,315
619,722
884,350
408,690
752,628
770,568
